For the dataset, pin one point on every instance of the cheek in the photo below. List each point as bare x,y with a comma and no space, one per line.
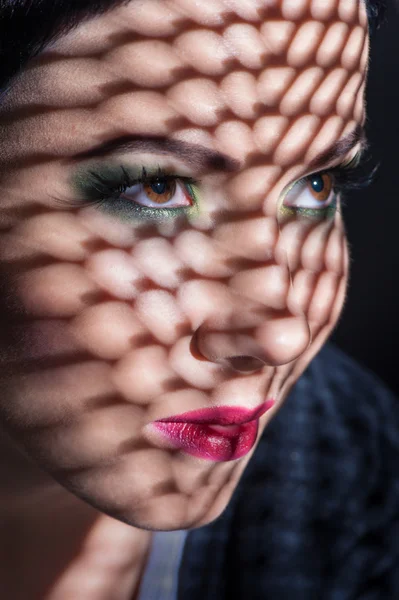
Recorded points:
108,327
66,298
318,260
98,342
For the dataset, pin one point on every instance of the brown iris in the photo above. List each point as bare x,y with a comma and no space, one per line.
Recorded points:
320,186
160,190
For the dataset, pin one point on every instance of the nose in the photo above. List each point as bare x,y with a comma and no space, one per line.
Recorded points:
251,318
278,340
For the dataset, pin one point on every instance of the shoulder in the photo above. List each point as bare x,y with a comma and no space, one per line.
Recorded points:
342,401
324,484
334,374
340,417
317,511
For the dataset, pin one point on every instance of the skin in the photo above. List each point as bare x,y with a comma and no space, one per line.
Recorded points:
111,324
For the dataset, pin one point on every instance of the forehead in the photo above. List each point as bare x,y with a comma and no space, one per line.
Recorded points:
202,72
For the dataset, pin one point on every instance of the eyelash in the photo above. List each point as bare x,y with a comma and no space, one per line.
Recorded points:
354,175
107,190
302,198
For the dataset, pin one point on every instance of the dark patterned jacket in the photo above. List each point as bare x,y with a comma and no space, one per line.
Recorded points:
316,515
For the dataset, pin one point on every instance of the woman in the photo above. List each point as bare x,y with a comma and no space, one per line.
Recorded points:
172,258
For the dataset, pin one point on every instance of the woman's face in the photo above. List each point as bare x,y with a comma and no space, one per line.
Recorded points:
172,248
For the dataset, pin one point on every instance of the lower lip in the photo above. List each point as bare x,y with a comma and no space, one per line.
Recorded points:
218,443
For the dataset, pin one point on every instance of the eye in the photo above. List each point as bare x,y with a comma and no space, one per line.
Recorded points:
164,192
137,194
314,192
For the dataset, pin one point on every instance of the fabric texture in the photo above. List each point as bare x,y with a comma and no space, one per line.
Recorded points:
316,514
161,573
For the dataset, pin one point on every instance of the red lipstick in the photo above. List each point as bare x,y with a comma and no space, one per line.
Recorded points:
220,433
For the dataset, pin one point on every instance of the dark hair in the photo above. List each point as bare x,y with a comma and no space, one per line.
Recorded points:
27,26
375,10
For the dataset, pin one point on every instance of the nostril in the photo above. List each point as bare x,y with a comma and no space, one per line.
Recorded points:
244,364
234,350
194,348
277,341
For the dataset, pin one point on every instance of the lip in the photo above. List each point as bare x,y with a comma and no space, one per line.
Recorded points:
219,434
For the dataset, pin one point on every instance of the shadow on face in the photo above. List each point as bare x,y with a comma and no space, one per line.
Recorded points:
172,249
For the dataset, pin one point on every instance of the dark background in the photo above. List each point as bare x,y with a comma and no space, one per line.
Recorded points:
369,327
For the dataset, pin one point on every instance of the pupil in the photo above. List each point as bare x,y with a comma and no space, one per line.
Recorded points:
159,187
317,183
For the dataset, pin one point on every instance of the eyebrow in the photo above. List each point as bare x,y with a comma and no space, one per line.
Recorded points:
340,148
193,154
203,158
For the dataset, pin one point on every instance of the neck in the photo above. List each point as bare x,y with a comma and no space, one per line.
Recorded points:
55,545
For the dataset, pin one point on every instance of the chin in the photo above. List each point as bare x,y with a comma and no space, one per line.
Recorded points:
165,505
165,512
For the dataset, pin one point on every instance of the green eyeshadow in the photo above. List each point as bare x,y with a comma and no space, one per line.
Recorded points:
102,185
318,214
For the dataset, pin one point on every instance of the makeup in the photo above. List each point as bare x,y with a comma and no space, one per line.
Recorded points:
218,434
316,195
140,194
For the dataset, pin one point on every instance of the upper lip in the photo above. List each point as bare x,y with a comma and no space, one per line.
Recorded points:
220,415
